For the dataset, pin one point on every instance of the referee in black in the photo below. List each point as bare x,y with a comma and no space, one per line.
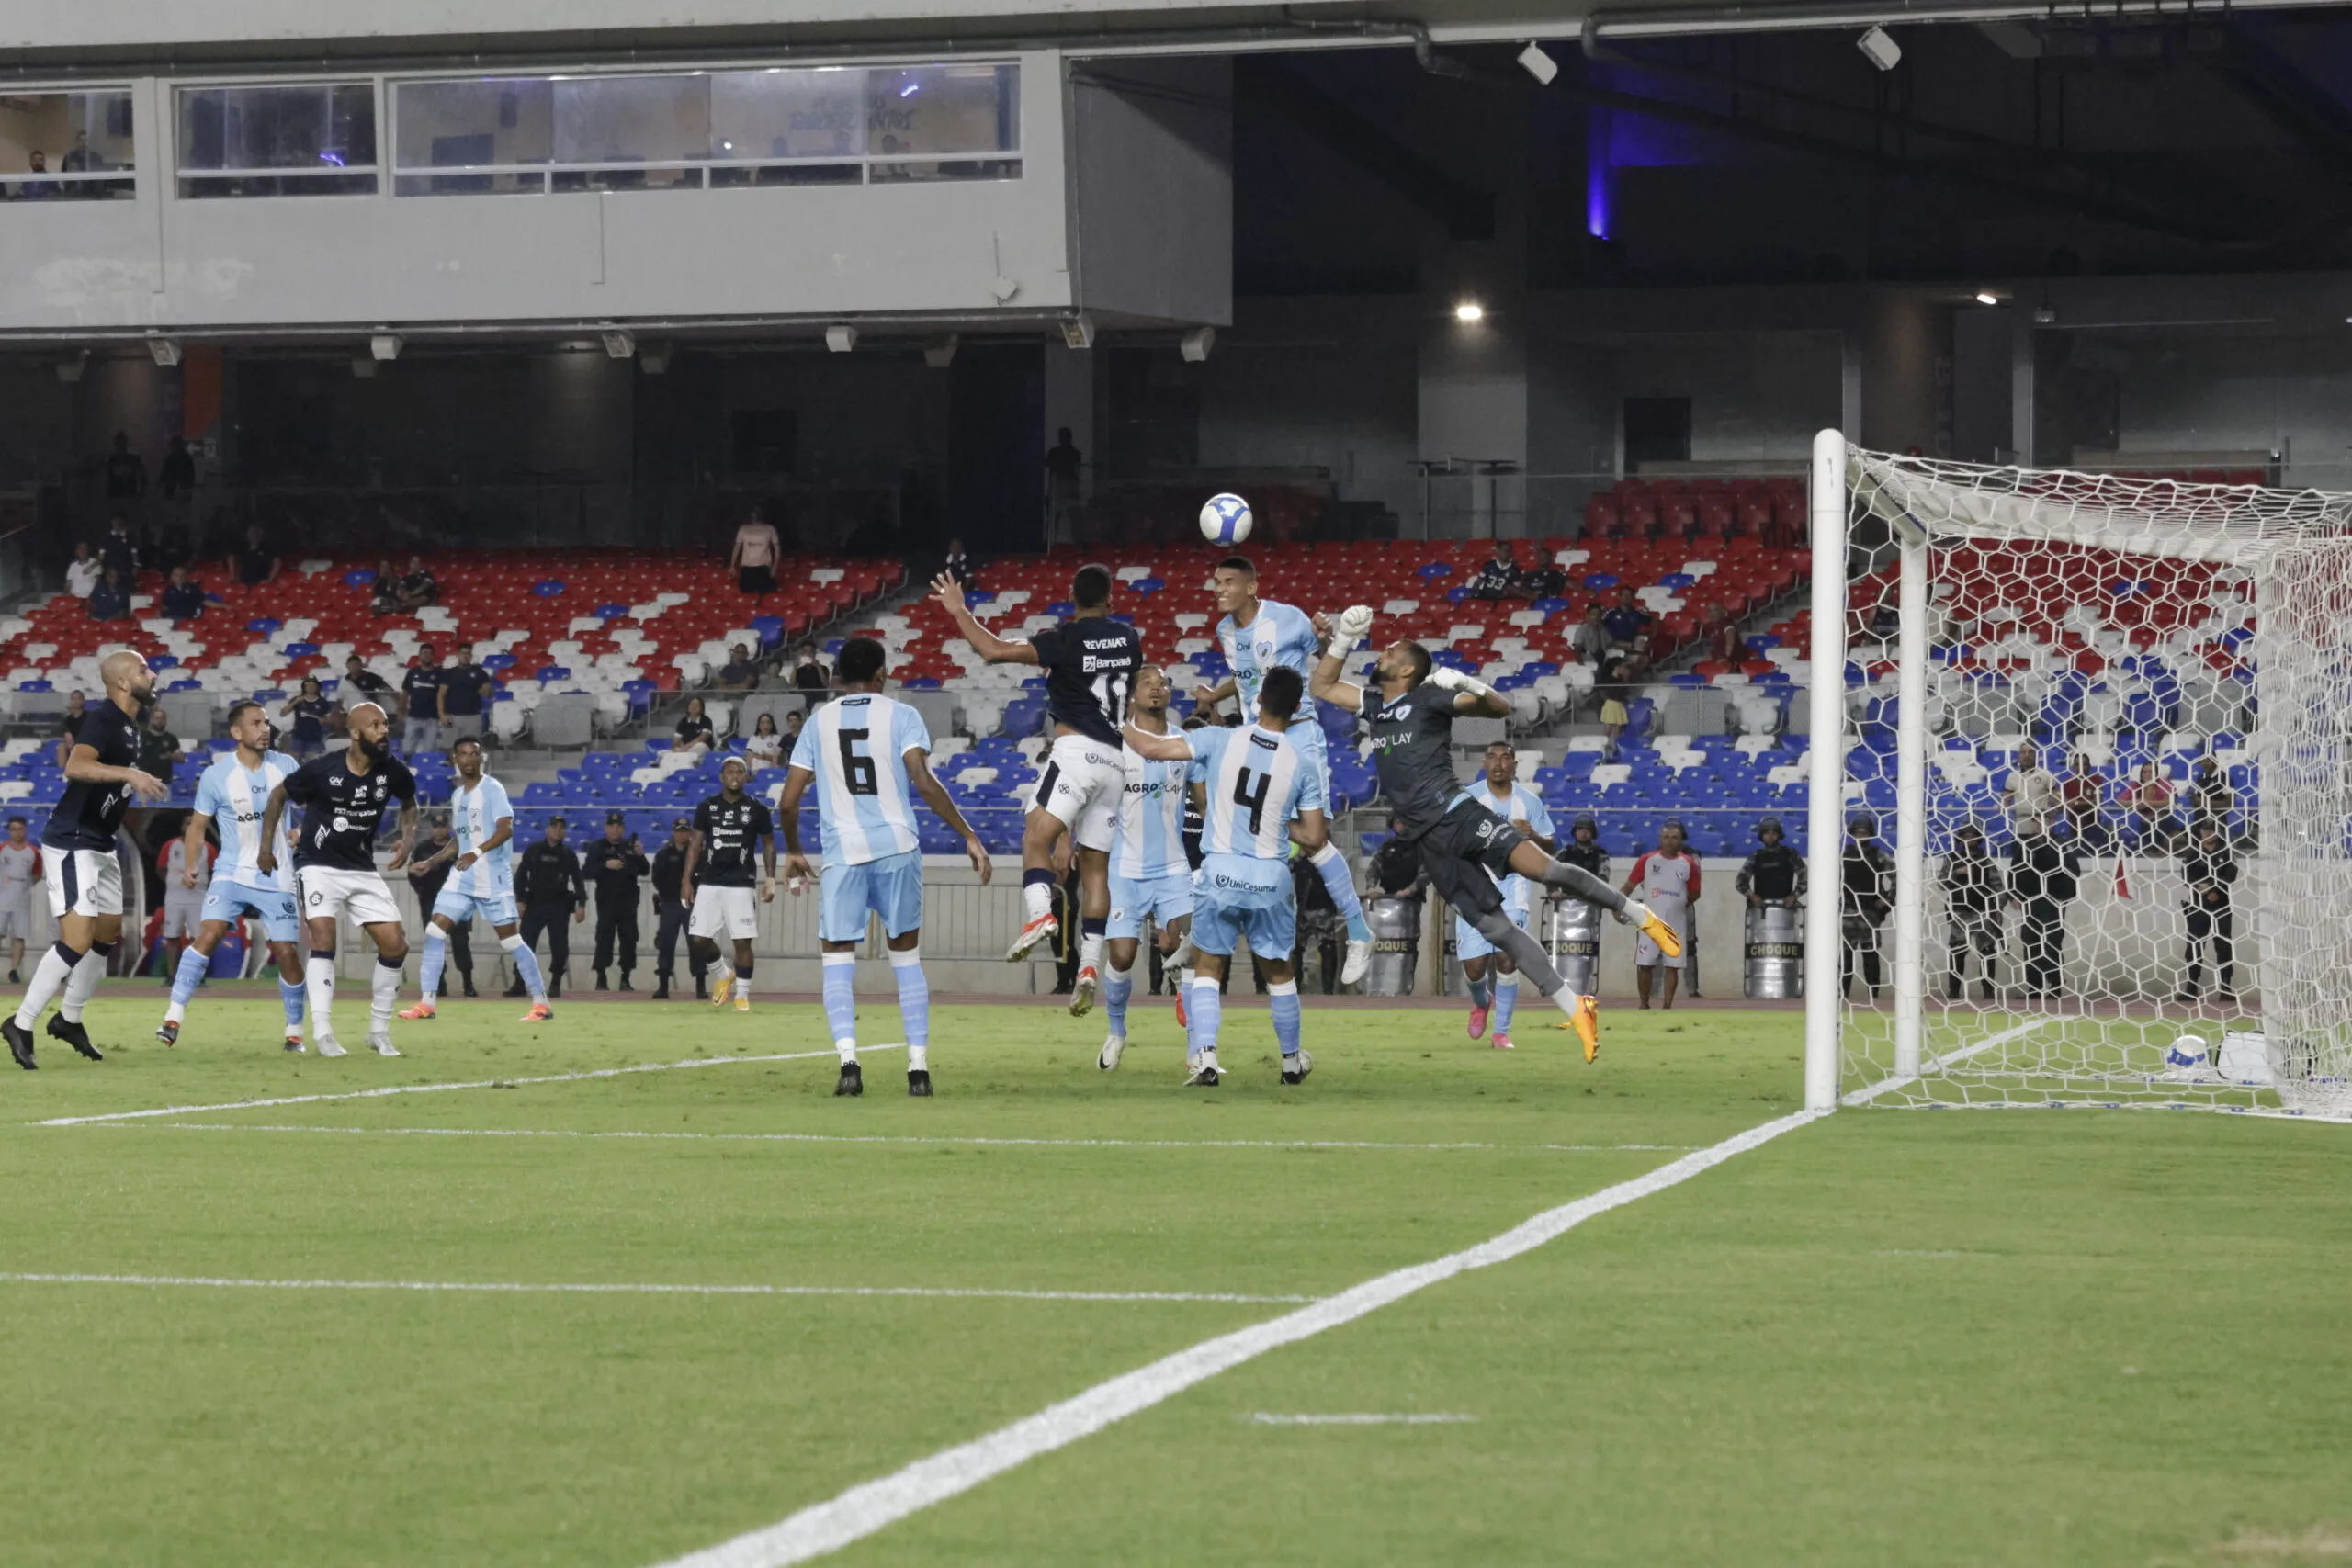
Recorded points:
616,866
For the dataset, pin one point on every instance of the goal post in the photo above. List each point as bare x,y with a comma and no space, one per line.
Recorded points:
2080,814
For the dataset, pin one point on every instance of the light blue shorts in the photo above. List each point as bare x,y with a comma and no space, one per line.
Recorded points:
1165,898
1468,944
275,908
890,887
492,908
1237,898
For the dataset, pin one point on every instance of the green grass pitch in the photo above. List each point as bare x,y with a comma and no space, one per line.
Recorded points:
1888,1337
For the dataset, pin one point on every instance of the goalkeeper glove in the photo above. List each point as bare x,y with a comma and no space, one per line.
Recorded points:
1448,679
1348,631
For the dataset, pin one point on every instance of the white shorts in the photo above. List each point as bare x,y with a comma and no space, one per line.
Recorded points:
1646,952
17,917
725,912
82,882
327,892
1082,784
182,917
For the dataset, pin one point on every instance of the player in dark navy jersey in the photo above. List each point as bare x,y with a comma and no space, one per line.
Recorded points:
83,877
1465,848
732,830
1091,662
345,796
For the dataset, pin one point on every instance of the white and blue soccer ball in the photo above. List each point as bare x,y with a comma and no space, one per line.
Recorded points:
1225,520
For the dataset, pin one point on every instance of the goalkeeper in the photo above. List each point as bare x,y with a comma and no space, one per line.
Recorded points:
1464,848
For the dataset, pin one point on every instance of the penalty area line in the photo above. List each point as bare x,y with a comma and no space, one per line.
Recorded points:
389,1089
864,1509
599,1287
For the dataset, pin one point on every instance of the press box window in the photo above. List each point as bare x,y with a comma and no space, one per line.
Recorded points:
66,146
306,138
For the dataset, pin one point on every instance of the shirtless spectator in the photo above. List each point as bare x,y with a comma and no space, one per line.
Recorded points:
756,551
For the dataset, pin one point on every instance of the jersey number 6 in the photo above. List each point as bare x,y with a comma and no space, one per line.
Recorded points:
858,769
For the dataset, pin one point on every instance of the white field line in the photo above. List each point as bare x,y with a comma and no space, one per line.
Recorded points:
441,1088
901,1138
875,1505
503,1287
1267,1418
1938,1063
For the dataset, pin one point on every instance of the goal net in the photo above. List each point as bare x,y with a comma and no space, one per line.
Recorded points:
2098,790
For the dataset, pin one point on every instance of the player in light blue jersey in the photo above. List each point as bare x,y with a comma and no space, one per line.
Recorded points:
1151,876
1500,792
481,885
231,797
1260,636
869,755
1259,793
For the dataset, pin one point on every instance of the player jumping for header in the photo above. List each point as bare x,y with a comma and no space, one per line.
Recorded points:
343,796
1260,794
480,882
84,877
232,795
1263,634
868,754
1089,662
1462,841
1150,876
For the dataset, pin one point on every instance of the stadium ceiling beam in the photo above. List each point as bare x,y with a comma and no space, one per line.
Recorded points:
1466,212
1691,21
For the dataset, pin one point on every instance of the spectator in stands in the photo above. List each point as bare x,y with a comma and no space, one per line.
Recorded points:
1866,895
465,694
126,471
363,685
694,736
416,588
1499,577
36,190
792,722
2044,877
421,703
669,866
159,748
961,566
1626,619
2149,798
2032,794
809,675
1613,714
68,724
175,477
1544,580
615,865
183,596
1973,884
118,552
1064,469
2210,869
2081,792
109,601
766,748
2209,798
547,885
427,870
384,598
256,562
741,672
757,550
309,709
82,573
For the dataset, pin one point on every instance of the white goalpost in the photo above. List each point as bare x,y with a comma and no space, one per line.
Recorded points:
2080,818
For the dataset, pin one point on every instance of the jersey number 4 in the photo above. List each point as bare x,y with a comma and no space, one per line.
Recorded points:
857,768
1255,801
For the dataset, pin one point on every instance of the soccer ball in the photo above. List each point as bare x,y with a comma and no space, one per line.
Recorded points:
1224,520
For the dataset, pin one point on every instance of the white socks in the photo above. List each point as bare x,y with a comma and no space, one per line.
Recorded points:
384,994
49,978
317,978
88,973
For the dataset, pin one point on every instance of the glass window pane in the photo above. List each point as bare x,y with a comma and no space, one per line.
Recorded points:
493,123
76,145
943,108
633,119
813,114
311,139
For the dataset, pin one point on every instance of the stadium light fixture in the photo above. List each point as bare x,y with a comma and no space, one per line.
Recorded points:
69,370
1469,311
1880,49
1078,331
618,345
940,355
384,347
1991,297
841,339
1195,344
164,351
1538,65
